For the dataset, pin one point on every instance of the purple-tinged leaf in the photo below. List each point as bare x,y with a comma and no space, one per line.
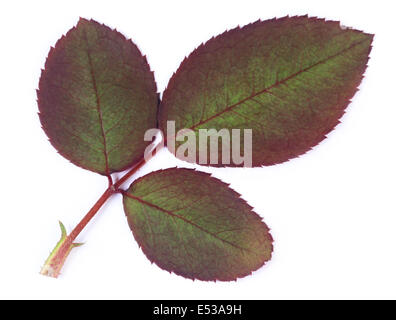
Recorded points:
194,225
288,79
97,97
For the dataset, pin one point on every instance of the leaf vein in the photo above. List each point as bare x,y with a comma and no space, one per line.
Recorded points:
97,105
266,90
186,221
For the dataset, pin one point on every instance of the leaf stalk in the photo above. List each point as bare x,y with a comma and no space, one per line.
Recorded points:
58,255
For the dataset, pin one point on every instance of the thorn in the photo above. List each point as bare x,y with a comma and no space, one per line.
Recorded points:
77,244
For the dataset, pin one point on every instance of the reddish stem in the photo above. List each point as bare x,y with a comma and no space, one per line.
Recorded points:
58,256
129,174
91,213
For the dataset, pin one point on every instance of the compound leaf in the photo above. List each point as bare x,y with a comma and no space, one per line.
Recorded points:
288,79
97,97
194,225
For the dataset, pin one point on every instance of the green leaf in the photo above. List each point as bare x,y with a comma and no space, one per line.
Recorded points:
288,79
97,97
194,225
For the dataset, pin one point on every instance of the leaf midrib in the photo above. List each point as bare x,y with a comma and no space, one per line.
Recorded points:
98,107
186,221
276,84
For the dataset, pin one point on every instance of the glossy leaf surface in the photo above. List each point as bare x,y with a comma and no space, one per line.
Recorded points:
194,225
288,79
97,97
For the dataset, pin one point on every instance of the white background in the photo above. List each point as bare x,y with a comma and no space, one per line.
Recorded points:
332,211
